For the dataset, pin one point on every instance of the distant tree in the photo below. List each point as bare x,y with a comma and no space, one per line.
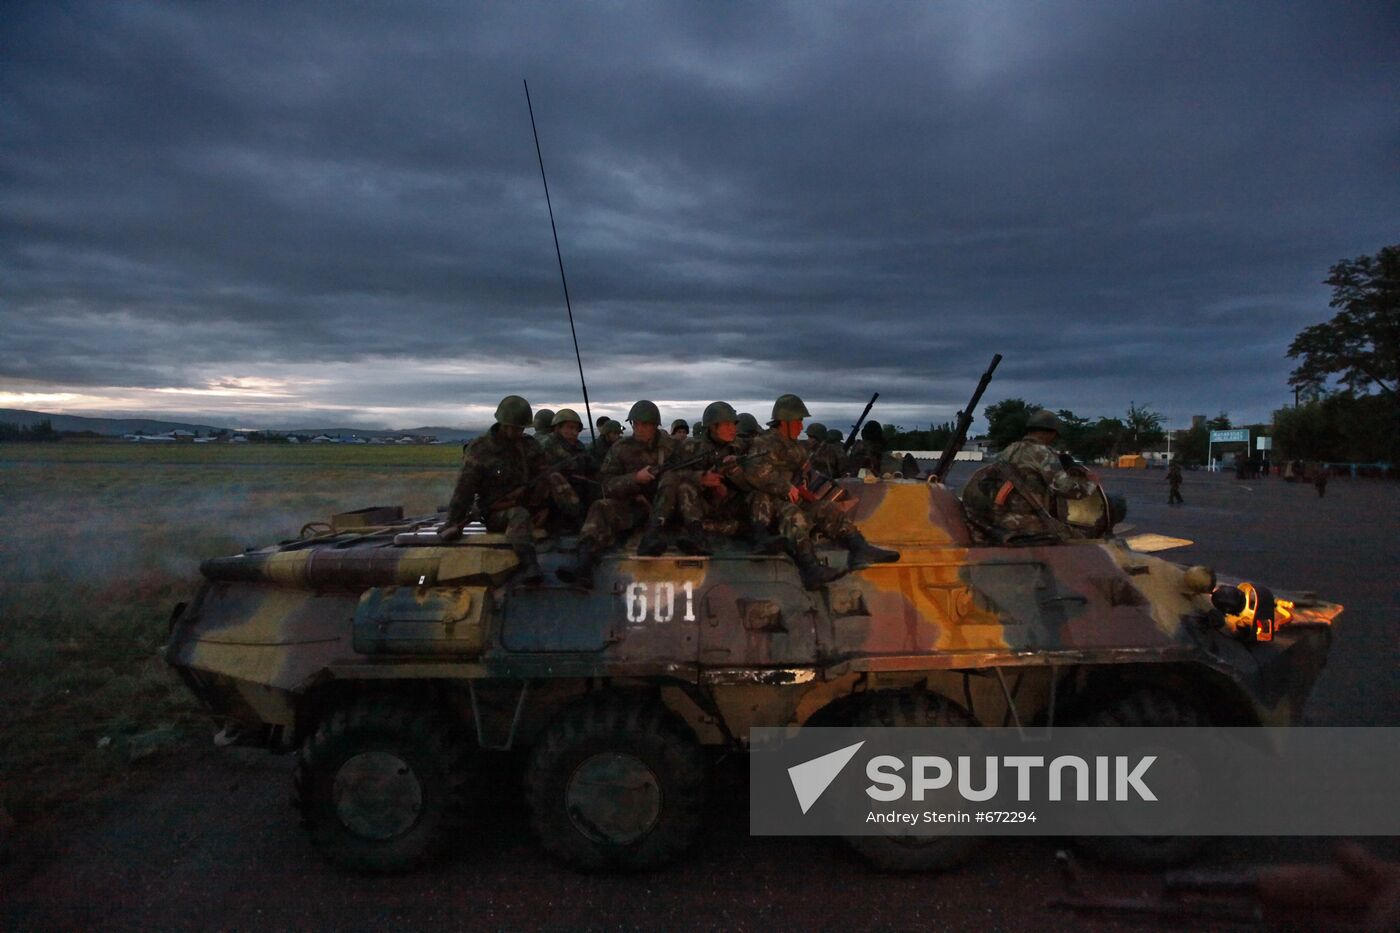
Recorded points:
1220,422
1006,421
1144,428
1360,346
1075,434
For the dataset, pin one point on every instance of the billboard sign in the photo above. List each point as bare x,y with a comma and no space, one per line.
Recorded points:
1240,435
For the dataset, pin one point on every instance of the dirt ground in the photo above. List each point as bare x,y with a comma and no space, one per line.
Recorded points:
215,845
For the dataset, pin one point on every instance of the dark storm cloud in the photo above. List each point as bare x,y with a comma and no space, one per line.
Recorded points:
1130,202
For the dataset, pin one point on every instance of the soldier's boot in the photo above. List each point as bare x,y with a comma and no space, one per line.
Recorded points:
863,553
694,540
814,573
529,570
581,572
653,543
763,542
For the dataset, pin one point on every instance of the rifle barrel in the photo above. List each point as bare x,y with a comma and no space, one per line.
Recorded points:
955,443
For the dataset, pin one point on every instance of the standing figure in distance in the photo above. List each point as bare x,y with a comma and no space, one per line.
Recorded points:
1174,482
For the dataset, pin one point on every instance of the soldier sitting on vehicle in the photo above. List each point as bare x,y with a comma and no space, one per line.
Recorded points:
709,482
544,424
1011,498
776,473
868,453
505,477
609,433
826,458
630,494
570,457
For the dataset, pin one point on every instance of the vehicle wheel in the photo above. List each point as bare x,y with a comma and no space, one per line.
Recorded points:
902,709
380,784
1144,708
617,783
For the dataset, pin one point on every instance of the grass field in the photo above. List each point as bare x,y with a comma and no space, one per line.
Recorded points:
97,543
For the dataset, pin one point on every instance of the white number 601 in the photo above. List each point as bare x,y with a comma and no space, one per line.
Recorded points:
661,607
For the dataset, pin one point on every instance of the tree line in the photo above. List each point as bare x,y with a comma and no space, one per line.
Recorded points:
38,432
1349,369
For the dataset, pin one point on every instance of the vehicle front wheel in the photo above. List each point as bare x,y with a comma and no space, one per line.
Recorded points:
617,783
380,784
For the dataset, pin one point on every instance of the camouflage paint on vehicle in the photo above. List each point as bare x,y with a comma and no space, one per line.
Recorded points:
276,637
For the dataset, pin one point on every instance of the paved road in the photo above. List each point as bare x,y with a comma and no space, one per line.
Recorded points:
215,845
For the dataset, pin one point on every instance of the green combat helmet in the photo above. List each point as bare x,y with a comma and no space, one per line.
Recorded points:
644,412
544,420
611,427
748,425
565,415
789,408
816,431
680,424
1044,420
835,436
718,413
514,410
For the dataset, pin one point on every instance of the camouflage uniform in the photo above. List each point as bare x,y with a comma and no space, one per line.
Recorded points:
695,503
866,456
626,503
828,459
574,462
779,464
512,479
1043,472
607,437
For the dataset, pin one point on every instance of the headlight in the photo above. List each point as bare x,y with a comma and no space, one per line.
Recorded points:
1252,612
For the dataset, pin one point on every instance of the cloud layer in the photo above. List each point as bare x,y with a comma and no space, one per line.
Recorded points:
277,212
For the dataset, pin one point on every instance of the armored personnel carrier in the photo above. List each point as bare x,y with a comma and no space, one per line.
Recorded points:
389,661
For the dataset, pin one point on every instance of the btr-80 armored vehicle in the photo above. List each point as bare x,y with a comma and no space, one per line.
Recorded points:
389,660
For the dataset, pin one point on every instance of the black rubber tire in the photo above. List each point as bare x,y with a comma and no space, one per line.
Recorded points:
651,739
901,709
433,755
1145,707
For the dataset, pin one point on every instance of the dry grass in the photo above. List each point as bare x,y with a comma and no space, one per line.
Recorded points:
97,544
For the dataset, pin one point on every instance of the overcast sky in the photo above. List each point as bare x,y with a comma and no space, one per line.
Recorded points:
289,214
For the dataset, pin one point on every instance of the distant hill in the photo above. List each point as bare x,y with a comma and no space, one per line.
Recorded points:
115,426
442,434
119,426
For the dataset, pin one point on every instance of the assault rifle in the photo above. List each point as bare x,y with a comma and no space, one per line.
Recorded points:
855,428
699,460
955,443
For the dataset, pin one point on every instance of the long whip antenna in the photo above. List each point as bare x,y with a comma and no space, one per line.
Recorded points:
560,256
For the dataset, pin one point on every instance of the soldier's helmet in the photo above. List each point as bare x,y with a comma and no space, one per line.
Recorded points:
789,408
680,424
872,433
816,431
835,436
1044,420
566,415
644,412
718,413
611,427
748,425
544,420
514,410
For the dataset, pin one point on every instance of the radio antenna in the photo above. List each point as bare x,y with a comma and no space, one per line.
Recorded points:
560,256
